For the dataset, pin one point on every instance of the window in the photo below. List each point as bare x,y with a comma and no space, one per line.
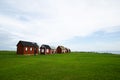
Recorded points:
31,49
26,48
42,50
47,50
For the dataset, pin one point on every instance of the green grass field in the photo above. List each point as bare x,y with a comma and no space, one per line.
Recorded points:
73,66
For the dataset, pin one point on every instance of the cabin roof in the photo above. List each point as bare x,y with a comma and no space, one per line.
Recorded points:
62,47
26,43
45,46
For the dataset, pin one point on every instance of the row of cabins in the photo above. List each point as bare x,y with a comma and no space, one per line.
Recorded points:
32,48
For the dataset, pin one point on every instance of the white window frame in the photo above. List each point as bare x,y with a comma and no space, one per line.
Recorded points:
31,49
47,50
26,48
42,50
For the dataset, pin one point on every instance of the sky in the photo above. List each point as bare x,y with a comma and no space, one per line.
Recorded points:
81,25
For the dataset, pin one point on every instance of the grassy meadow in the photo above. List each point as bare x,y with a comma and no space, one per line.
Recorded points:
72,66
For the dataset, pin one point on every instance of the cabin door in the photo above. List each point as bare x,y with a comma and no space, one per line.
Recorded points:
43,50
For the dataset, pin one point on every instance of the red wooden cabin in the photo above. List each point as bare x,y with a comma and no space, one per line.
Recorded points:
60,49
67,50
27,48
45,49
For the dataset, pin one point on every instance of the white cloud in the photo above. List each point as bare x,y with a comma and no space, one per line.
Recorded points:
57,20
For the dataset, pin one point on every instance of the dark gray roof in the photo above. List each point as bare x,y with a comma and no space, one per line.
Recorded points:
45,46
26,43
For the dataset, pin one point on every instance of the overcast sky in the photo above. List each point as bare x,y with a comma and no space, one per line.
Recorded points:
82,25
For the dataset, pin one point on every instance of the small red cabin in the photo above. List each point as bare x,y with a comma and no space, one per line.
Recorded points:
67,50
27,48
45,49
60,49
